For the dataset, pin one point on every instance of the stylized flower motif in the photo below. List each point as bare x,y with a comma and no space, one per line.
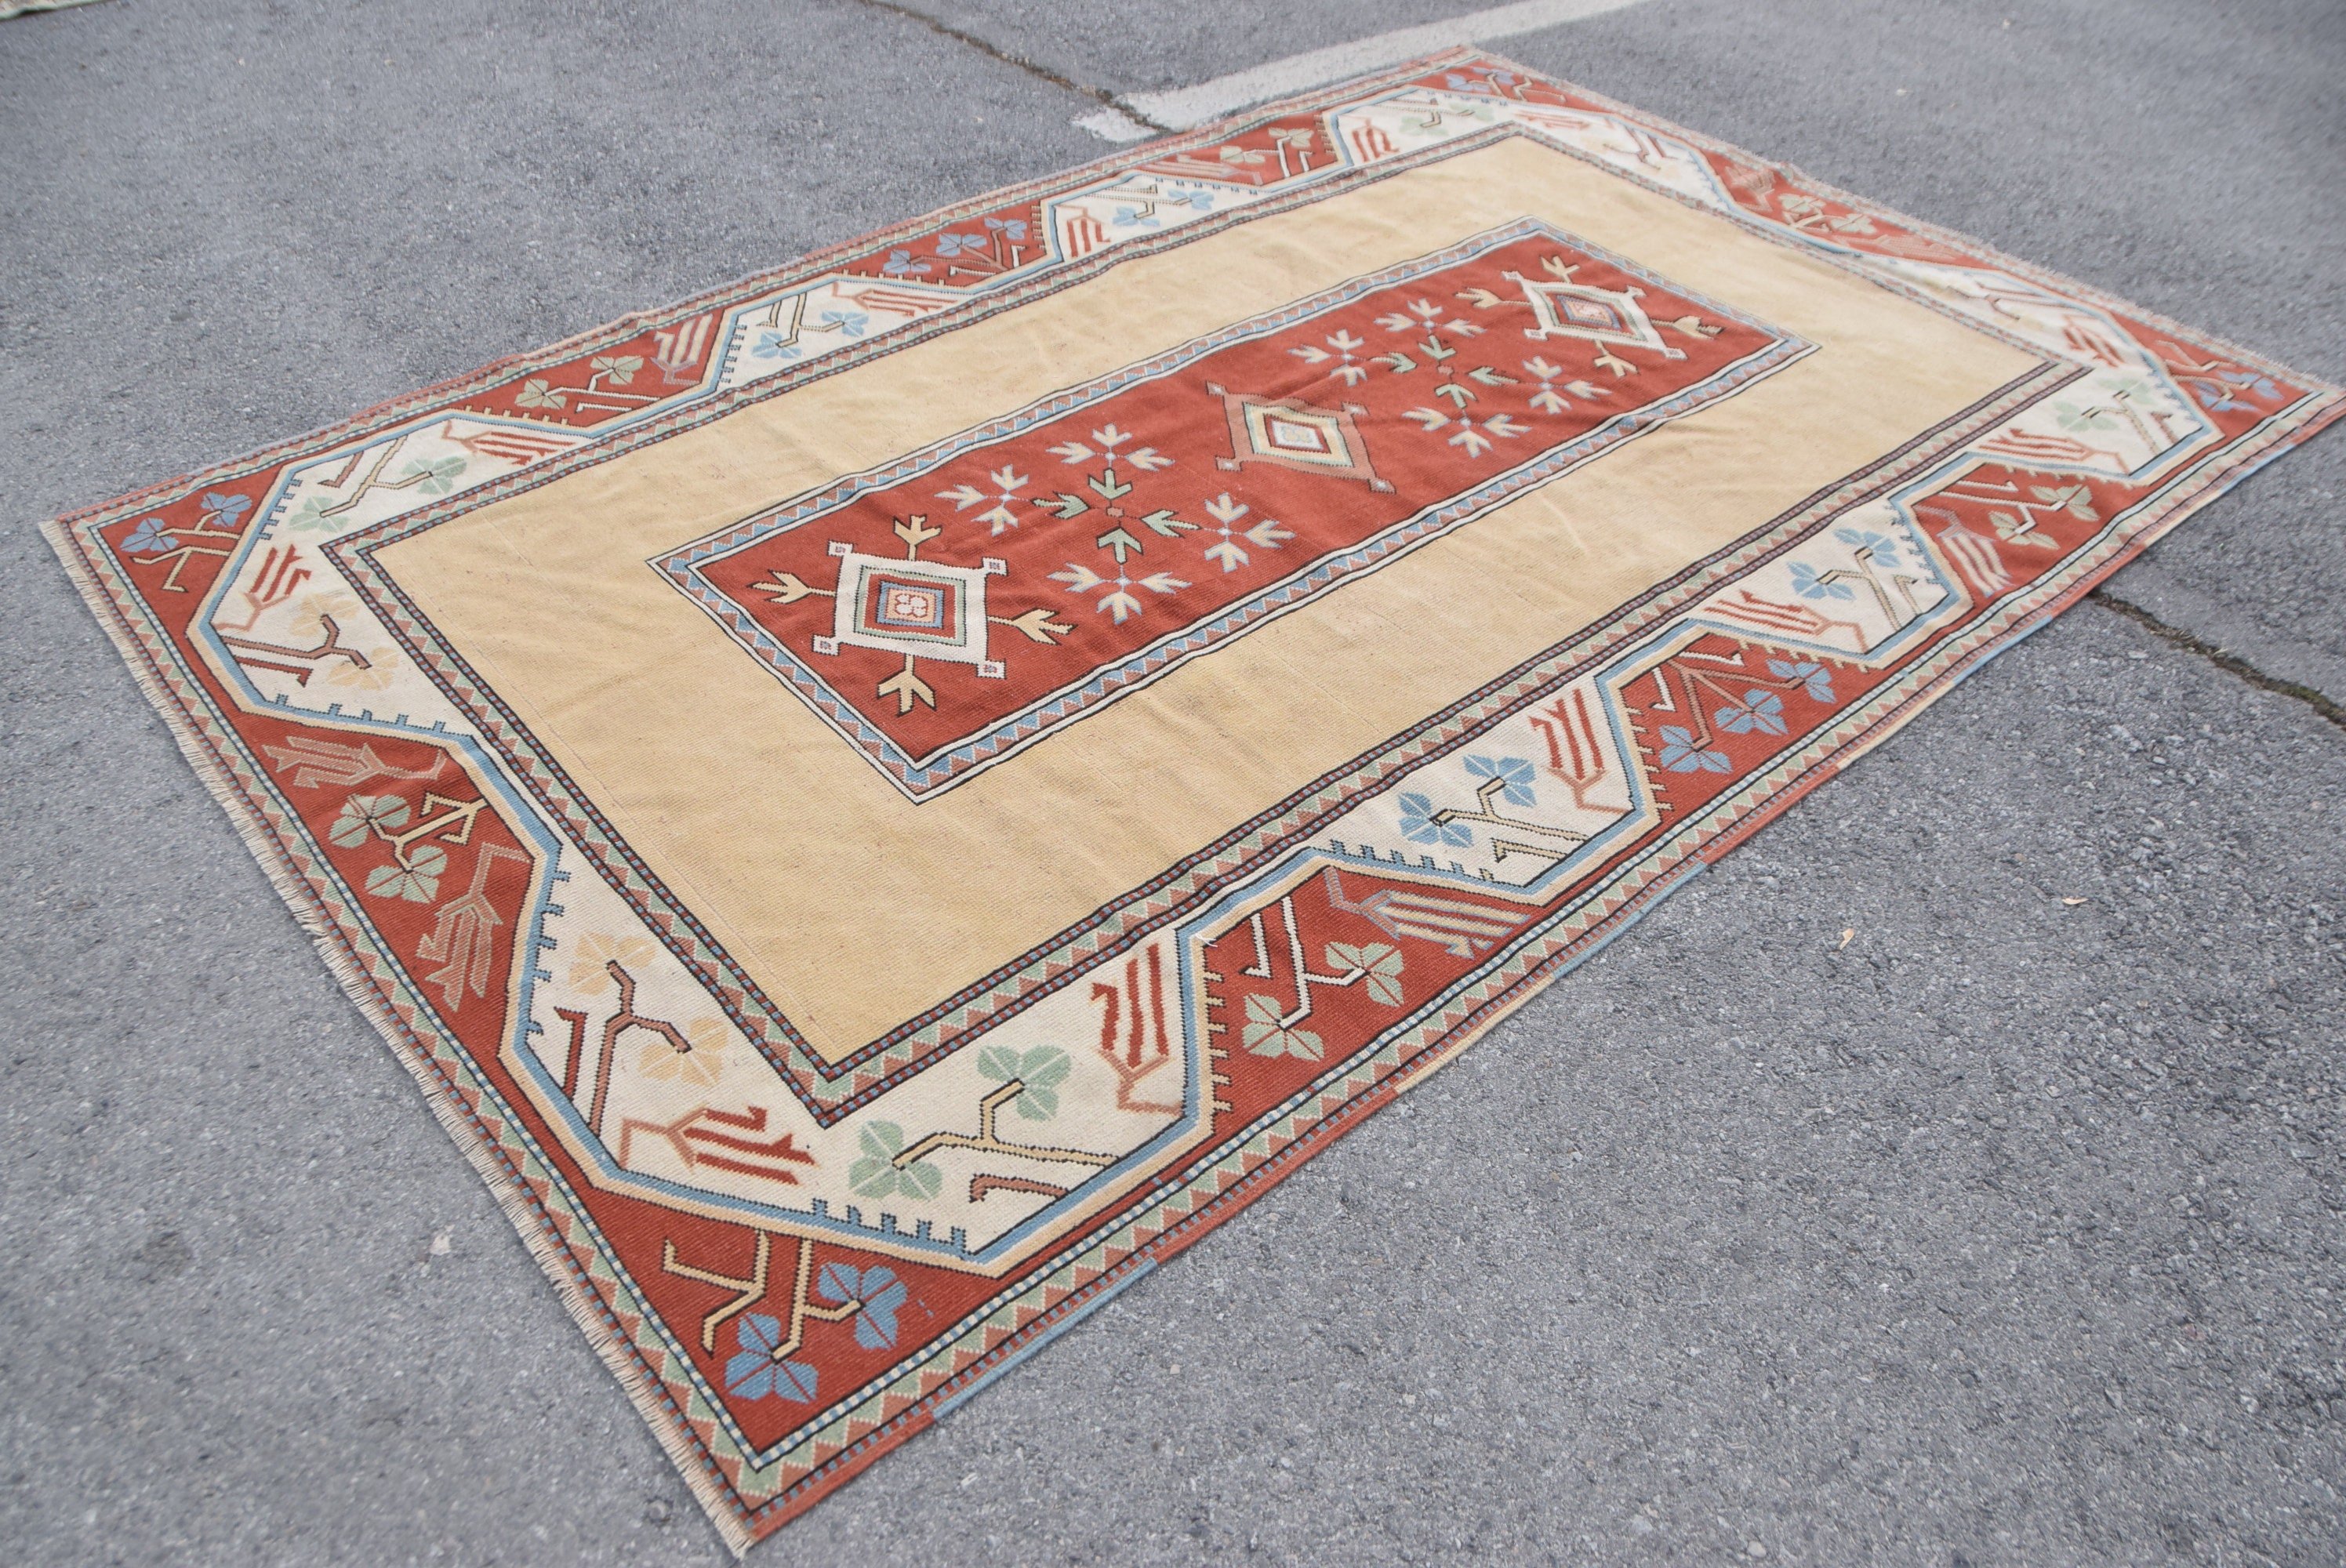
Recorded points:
774,346
227,511
753,1373
1268,532
2216,396
1039,1071
1119,602
899,264
432,478
1866,542
1133,218
1809,586
1379,963
345,609
537,392
701,1065
1008,227
1418,826
618,369
1681,755
316,512
876,1176
847,323
1480,84
590,961
882,1293
1513,771
1815,678
1760,710
149,538
2077,500
1004,513
2071,417
362,814
418,882
382,667
1265,1036
949,245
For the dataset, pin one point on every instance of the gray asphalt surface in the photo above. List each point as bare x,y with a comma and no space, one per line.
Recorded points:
1868,1203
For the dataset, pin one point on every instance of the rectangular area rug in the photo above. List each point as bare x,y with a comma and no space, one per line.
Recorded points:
884,802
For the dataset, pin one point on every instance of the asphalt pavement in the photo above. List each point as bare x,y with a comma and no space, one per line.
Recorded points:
1952,1176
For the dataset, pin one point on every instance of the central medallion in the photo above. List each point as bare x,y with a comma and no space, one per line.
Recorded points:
988,588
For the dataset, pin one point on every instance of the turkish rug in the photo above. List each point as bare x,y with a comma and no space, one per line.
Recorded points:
884,802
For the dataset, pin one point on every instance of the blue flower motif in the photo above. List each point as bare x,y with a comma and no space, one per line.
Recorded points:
754,1374
960,244
2214,396
1868,543
1759,710
1200,200
1809,586
899,264
1133,218
149,538
229,510
1681,755
1008,227
1418,826
882,1293
2260,385
1513,771
775,346
1815,677
849,322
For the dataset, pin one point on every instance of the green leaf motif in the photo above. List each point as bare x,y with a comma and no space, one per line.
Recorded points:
876,1176
313,513
1379,963
999,1063
1040,1072
362,814
1045,1066
1266,1036
418,882
435,477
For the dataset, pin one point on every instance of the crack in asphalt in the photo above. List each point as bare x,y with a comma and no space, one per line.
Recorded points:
2230,664
993,51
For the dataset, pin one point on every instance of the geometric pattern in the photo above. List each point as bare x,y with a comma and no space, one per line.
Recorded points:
1292,432
795,1261
1568,310
1151,515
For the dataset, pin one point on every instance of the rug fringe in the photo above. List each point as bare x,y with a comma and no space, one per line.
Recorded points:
586,1305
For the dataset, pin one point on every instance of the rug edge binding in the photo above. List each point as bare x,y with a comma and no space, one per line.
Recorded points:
717,1500
2324,408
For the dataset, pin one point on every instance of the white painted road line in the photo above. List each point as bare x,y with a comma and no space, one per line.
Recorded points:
1183,107
1112,124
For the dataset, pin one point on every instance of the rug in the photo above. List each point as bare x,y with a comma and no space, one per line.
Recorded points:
885,801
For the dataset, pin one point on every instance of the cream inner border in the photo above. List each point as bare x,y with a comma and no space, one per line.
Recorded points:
855,909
